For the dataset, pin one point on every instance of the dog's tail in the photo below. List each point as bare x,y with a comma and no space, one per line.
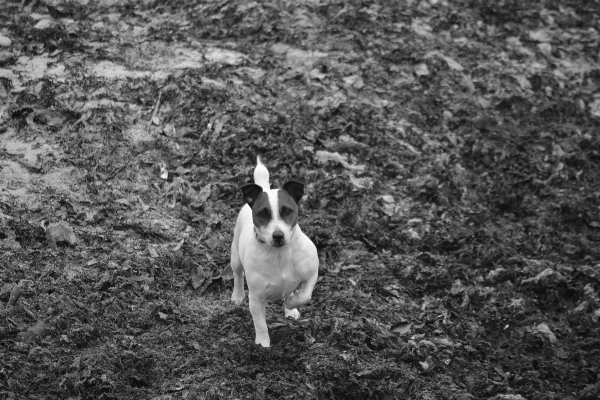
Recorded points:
261,175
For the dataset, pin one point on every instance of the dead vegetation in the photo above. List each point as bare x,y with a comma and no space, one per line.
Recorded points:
452,155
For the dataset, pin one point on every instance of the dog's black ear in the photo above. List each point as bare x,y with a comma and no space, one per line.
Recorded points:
295,187
250,192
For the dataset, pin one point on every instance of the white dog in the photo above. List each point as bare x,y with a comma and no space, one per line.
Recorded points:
269,247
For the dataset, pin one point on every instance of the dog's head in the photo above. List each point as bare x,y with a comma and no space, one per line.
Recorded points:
274,212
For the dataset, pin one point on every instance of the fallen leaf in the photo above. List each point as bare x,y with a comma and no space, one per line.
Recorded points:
227,273
15,293
5,291
443,342
325,156
213,242
255,74
467,83
162,315
355,81
424,365
523,81
123,201
164,174
545,49
402,327
388,198
169,130
427,343
541,275
38,330
36,352
516,302
198,277
361,183
543,328
421,28
594,224
421,69
61,232
452,63
483,102
582,306
218,126
595,108
39,17
178,247
4,41
457,287
540,36
43,24
317,74
204,193
276,325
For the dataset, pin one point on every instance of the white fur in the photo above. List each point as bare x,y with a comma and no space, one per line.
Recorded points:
261,175
289,272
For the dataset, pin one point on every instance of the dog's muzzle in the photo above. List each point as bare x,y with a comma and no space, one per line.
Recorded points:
278,239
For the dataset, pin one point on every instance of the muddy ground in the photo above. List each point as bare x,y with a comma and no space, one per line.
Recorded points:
452,154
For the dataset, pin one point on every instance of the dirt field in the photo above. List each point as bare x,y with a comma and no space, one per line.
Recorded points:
452,154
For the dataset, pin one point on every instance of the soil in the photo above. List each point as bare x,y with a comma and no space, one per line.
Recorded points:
451,150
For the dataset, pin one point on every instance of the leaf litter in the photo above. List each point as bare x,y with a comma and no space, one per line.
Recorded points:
451,171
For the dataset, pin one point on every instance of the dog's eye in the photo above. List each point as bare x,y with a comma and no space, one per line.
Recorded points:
286,211
264,213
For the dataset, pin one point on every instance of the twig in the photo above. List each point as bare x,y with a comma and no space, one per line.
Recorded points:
32,167
31,315
24,163
156,107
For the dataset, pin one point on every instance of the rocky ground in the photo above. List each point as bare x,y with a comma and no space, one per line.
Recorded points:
452,154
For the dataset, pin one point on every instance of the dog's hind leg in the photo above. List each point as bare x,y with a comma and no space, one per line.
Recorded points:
238,274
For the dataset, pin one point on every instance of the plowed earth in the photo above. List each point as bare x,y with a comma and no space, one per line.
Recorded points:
452,154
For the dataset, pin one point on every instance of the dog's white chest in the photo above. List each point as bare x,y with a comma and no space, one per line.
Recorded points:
275,275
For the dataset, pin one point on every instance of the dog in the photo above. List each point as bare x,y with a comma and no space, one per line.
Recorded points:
278,259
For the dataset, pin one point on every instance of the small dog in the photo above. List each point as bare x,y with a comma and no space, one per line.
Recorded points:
269,247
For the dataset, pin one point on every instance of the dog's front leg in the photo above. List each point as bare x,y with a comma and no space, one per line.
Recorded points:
303,294
293,313
258,309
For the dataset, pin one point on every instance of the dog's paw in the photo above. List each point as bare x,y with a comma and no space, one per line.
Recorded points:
293,313
237,298
264,342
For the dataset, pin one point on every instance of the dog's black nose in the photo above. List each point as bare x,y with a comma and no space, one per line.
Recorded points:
278,236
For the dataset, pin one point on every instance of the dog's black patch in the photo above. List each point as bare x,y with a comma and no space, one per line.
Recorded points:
288,209
250,192
295,188
261,210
